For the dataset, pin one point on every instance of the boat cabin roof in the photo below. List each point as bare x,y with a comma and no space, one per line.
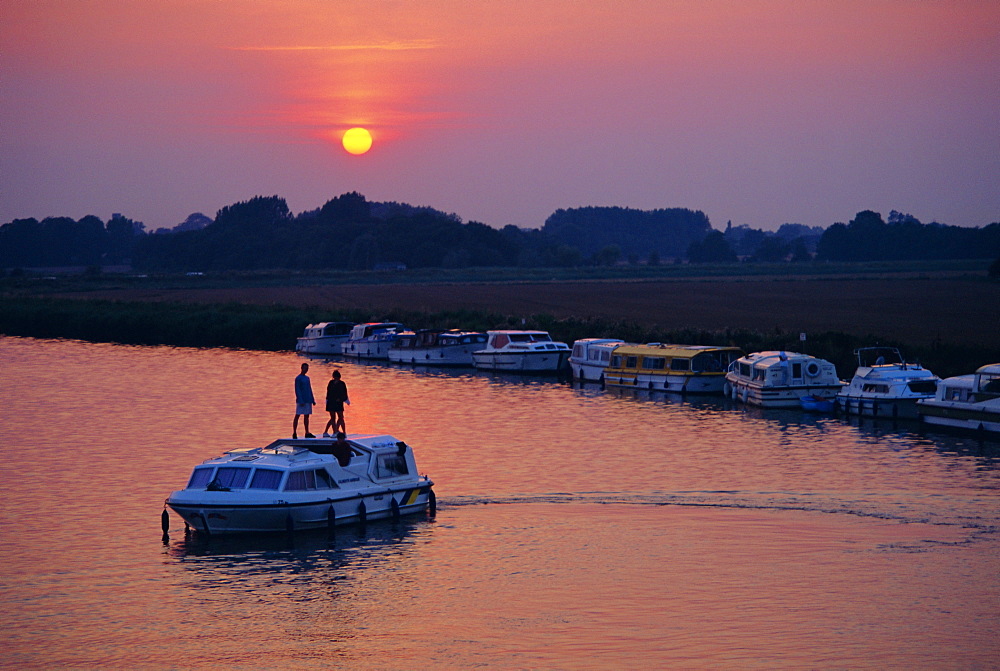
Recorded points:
370,328
286,452
990,369
331,328
771,358
514,332
673,351
593,342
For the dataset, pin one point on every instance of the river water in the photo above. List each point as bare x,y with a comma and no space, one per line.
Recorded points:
577,528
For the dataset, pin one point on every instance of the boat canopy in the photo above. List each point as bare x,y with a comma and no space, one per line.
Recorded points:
988,378
674,351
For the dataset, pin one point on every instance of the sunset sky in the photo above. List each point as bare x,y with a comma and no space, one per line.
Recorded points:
760,112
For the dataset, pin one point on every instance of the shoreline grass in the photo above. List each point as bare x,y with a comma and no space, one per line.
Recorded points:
276,327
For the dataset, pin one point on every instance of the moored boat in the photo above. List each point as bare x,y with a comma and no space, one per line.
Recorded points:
781,379
521,352
885,385
299,484
591,356
430,347
966,401
323,338
685,369
371,340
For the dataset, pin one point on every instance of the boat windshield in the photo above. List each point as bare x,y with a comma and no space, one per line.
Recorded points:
922,386
391,465
989,383
530,337
879,356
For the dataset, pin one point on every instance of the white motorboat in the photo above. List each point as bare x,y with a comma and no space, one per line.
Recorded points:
371,340
683,369
885,385
591,356
432,347
323,338
781,379
966,401
521,352
299,484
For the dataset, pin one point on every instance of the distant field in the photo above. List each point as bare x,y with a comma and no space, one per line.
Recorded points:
961,311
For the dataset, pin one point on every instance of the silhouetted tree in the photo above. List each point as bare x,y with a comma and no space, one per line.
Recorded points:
713,249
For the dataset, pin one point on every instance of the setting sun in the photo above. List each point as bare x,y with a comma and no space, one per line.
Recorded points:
357,140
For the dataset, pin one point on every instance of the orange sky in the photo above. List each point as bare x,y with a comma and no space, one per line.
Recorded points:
760,112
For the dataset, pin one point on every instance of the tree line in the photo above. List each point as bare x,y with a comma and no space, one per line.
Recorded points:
350,232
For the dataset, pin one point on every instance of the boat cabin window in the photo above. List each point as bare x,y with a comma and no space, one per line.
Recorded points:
989,384
200,478
500,340
875,388
631,361
616,361
265,478
680,364
300,481
578,351
759,373
233,478
922,386
796,370
654,362
390,466
745,370
605,355
705,363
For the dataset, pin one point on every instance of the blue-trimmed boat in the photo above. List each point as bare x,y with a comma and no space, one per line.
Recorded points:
306,483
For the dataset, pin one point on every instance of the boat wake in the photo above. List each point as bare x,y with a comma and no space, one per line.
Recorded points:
939,510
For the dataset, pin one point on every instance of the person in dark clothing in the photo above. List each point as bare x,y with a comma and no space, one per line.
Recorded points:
304,401
342,450
336,398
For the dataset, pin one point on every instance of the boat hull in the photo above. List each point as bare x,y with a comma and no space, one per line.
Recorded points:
435,356
588,372
779,397
877,408
213,515
713,383
543,361
329,345
961,415
367,349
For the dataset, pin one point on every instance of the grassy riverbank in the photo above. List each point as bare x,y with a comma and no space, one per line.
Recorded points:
275,327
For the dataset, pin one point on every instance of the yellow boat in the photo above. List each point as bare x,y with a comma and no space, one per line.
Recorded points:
684,369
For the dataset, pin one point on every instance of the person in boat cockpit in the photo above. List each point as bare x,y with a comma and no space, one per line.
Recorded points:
304,401
342,449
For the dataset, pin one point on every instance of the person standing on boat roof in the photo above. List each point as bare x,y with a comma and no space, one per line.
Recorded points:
304,401
336,397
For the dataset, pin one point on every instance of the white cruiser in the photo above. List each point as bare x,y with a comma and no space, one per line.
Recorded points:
966,401
885,385
781,379
430,347
521,352
591,356
323,338
299,484
371,340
